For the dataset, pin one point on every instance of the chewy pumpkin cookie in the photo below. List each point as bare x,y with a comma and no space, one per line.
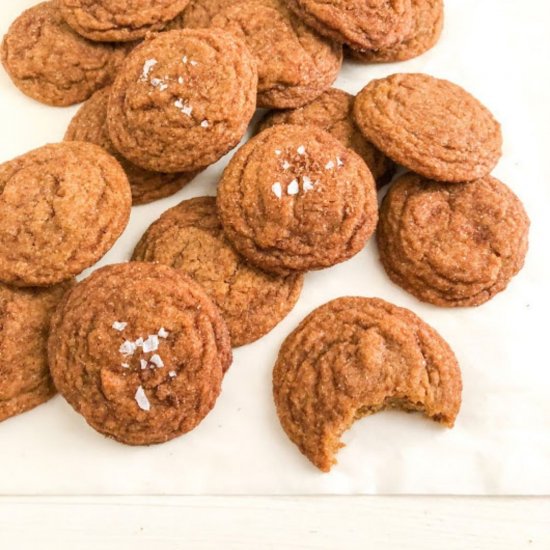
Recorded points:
49,62
452,245
354,357
62,207
90,124
119,21
294,199
332,111
139,351
25,380
428,18
431,126
362,24
182,100
189,238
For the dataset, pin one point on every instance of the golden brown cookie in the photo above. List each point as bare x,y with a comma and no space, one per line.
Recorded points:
452,245
295,199
139,351
182,100
295,64
362,24
119,20
332,111
428,18
189,237
199,14
62,207
354,357
49,62
90,124
431,126
25,380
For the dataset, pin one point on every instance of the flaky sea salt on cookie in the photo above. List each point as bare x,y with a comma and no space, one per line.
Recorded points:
182,100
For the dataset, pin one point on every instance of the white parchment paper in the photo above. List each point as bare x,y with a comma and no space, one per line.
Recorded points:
498,50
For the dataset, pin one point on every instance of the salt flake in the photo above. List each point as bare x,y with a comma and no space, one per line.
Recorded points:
293,188
157,361
301,150
143,364
139,342
125,365
329,165
127,348
172,374
277,190
120,326
339,161
307,184
163,333
147,68
184,60
286,165
193,62
141,399
277,152
205,124
151,344
181,80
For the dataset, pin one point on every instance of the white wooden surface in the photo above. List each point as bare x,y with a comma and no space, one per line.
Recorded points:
158,523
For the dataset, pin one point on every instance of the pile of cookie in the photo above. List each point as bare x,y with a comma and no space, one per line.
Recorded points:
140,349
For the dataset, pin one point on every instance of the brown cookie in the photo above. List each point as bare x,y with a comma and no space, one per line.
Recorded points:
431,126
295,199
182,100
452,245
139,351
295,64
119,20
49,62
25,380
428,18
189,237
362,24
90,124
354,357
62,207
332,111
199,14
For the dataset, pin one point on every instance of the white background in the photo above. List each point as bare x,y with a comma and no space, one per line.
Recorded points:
498,50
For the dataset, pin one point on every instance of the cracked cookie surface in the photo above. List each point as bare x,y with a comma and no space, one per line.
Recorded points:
332,111
182,100
295,64
452,245
431,126
295,199
51,63
353,357
90,124
119,20
140,351
362,24
25,380
62,207
428,16
189,238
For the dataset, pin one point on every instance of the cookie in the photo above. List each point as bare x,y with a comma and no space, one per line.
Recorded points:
295,64
362,24
452,245
139,351
182,100
332,111
295,199
90,124
49,62
354,357
62,207
124,21
199,14
189,237
25,380
433,127
428,18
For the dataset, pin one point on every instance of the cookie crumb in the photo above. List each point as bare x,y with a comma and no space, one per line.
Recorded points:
141,399
119,325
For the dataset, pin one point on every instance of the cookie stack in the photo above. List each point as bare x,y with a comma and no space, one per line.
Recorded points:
141,349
